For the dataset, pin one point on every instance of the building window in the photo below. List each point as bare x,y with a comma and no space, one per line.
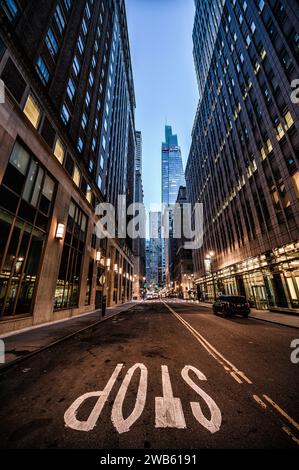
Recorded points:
84,121
51,43
261,5
89,282
11,9
59,151
32,111
91,79
89,194
84,27
68,4
90,166
65,114
81,45
76,176
87,99
59,18
42,71
26,203
99,182
71,89
68,284
295,179
80,145
76,66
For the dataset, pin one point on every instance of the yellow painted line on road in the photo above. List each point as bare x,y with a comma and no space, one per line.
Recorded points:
237,375
282,412
260,401
290,434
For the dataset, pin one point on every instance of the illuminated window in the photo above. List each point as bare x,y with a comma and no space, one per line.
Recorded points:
269,145
32,111
76,176
280,131
59,151
295,179
89,194
289,120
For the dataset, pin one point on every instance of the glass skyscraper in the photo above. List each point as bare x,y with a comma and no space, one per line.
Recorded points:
172,168
172,179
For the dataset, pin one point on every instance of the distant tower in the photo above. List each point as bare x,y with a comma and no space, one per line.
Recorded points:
172,179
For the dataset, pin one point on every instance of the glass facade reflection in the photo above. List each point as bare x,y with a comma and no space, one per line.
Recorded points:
26,200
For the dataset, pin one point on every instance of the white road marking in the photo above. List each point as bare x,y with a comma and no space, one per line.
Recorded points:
169,411
123,425
214,424
238,375
70,417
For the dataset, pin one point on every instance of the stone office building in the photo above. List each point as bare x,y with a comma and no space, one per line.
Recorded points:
243,164
67,138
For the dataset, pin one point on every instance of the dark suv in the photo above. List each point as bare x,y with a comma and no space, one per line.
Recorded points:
232,305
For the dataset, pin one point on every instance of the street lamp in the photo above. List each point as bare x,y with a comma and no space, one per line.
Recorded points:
210,256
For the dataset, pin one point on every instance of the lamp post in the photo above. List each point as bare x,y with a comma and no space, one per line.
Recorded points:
210,257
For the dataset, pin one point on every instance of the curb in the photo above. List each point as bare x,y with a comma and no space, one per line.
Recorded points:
209,306
11,364
274,322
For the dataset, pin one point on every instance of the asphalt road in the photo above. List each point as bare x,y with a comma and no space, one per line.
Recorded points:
158,377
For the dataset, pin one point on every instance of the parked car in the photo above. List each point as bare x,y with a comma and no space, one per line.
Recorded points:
232,305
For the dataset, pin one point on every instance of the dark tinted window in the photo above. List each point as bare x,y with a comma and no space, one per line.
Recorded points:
234,299
48,133
13,80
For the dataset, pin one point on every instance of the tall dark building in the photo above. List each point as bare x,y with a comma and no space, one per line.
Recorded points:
67,143
182,266
154,251
139,248
243,164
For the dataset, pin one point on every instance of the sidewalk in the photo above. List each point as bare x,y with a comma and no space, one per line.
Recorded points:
265,315
21,344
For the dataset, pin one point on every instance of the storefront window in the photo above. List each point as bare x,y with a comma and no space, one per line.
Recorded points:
26,200
89,282
68,284
293,286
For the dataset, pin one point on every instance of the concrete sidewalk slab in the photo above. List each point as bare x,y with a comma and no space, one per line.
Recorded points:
23,343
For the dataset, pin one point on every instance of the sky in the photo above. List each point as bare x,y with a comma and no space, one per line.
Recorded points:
165,80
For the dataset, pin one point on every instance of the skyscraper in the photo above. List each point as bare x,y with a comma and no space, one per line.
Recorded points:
67,143
243,164
139,152
139,244
154,251
172,168
172,179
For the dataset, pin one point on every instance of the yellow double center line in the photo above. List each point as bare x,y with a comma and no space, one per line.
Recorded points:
230,368
238,375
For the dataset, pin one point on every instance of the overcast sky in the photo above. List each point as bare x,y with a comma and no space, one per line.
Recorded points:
165,80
